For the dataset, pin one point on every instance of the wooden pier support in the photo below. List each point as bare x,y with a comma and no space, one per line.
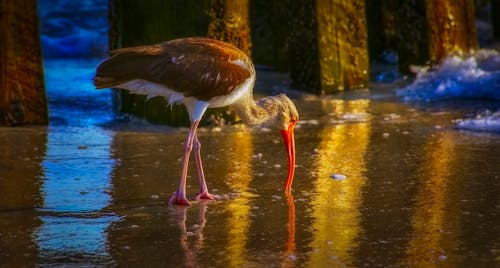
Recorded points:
136,23
381,26
269,33
343,45
452,27
495,18
22,91
229,23
430,30
328,45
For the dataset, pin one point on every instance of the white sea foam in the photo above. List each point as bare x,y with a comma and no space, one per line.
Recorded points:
486,121
474,76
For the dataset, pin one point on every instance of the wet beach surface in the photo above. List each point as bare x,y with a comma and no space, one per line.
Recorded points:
378,183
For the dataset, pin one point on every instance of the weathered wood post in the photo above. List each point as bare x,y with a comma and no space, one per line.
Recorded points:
328,45
495,17
148,22
22,91
380,20
303,45
270,33
374,17
229,23
411,33
134,23
452,27
343,45
430,30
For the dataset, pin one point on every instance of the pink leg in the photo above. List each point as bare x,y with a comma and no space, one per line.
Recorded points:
204,194
179,197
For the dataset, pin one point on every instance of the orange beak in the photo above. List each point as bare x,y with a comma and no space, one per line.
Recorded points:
289,140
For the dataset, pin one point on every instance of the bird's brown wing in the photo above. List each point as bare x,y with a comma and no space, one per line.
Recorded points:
122,68
199,67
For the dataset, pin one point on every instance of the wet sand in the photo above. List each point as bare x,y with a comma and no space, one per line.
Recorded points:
416,192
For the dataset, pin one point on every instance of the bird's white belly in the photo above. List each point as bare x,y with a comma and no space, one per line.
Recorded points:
240,91
151,89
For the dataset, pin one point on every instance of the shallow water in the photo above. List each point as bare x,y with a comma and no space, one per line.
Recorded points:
417,191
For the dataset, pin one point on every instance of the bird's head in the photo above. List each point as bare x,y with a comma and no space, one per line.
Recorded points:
276,112
285,120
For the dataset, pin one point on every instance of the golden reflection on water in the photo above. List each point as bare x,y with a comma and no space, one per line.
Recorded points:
239,168
436,221
335,204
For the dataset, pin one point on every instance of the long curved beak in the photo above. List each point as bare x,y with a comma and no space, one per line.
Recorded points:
289,140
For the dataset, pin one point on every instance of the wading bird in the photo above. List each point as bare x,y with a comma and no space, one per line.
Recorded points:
199,73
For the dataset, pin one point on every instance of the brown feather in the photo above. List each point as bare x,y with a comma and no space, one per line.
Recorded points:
200,67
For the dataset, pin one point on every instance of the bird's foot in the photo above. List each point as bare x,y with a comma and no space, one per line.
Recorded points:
207,196
179,199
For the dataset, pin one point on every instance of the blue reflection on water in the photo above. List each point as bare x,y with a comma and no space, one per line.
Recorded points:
77,169
77,166
78,238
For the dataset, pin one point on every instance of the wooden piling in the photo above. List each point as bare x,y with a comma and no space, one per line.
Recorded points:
303,46
430,30
22,91
229,23
149,22
270,33
495,18
452,27
343,45
328,45
134,23
381,26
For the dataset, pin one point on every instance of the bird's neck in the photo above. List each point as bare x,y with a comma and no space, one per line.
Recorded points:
252,112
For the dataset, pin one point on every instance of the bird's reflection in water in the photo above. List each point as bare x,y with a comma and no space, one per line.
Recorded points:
289,256
191,241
